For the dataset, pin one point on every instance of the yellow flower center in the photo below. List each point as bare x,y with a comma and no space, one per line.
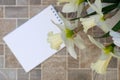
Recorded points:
69,33
102,18
109,48
78,2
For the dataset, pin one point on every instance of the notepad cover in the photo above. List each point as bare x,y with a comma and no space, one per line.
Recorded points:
29,41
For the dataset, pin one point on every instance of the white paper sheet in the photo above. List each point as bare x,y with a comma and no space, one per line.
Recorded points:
29,41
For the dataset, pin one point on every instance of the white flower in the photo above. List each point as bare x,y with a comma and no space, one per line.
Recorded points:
72,6
69,37
115,37
107,52
100,21
87,23
101,65
55,40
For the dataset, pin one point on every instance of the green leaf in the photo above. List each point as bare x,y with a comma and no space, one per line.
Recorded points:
109,8
111,1
115,28
105,10
119,5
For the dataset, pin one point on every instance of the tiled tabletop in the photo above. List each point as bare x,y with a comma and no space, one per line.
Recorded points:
60,66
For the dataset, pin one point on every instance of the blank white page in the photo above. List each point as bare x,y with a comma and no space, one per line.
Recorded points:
29,41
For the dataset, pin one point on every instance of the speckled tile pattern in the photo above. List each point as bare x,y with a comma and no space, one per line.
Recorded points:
61,66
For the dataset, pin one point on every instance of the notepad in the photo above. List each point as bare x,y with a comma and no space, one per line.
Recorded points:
29,41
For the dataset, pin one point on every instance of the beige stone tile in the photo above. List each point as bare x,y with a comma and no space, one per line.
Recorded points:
54,69
10,59
111,75
73,63
1,49
119,70
1,12
35,2
7,74
6,26
38,67
35,74
61,52
21,21
36,9
22,75
98,76
79,74
113,63
88,56
1,61
48,2
22,2
16,12
7,2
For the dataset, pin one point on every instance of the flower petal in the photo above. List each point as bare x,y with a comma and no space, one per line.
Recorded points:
98,5
114,34
95,8
67,23
79,42
103,26
70,48
101,65
98,44
68,8
117,42
54,40
87,23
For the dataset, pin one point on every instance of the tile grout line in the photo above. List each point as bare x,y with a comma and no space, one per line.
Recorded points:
3,12
117,69
28,9
16,2
66,66
92,75
29,76
16,74
4,55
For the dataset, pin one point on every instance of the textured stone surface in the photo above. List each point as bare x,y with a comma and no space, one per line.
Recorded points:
1,49
21,21
6,26
48,2
7,2
56,71
22,2
35,2
22,75
111,75
1,62
8,74
1,12
78,74
16,12
35,74
10,59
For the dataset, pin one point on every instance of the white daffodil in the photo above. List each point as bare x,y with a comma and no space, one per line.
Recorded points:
99,18
69,37
101,65
115,37
87,23
55,40
107,52
72,6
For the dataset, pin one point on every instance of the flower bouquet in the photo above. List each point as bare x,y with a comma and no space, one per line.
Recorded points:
95,15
